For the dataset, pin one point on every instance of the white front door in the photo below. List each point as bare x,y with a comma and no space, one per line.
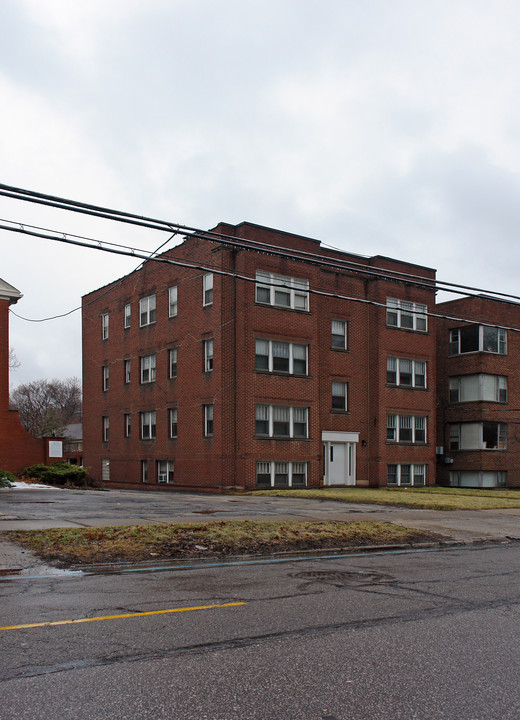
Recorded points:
340,458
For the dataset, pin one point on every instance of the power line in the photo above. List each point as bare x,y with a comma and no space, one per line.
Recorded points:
242,243
238,276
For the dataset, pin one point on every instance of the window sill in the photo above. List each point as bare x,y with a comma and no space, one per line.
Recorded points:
337,411
281,373
281,437
340,350
409,330
282,307
406,387
148,324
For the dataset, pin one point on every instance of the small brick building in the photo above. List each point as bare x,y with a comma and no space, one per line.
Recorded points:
253,357
18,448
479,393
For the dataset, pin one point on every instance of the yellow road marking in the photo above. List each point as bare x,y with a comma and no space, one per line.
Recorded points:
118,617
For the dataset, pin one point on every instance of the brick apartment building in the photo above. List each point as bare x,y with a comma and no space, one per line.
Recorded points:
269,361
479,393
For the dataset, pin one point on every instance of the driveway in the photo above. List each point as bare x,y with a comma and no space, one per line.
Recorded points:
27,509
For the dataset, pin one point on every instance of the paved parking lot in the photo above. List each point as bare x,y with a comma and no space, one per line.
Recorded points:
34,508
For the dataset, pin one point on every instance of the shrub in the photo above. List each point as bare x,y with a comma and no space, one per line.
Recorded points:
6,478
60,473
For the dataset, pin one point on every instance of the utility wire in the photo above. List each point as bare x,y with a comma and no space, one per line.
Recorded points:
208,269
242,243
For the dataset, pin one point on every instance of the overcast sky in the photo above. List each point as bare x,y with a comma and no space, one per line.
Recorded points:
377,126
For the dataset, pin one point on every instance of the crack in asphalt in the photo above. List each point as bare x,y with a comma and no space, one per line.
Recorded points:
456,606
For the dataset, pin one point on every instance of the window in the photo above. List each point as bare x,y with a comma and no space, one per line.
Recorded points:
406,428
406,474
339,334
470,388
106,427
478,436
406,373
208,355
286,292
172,301
283,357
104,326
127,371
478,478
127,424
105,377
208,420
144,471
147,310
407,315
172,362
148,425
105,470
165,471
478,338
339,396
281,474
148,368
128,315
172,412
207,289
276,421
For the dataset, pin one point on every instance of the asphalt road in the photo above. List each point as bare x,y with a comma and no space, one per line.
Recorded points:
418,635
32,509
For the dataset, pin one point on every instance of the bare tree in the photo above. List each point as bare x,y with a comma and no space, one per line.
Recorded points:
47,406
14,363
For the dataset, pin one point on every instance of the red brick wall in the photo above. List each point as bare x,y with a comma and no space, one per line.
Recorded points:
18,449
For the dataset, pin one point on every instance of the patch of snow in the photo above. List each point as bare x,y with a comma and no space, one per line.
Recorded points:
19,485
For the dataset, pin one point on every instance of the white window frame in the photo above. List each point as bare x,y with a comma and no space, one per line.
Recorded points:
209,419
414,471
293,348
105,320
271,288
127,420
172,422
499,477
165,471
399,425
339,390
397,365
339,334
456,340
207,289
208,355
147,310
148,368
127,316
105,377
148,425
296,415
406,315
106,428
127,369
270,467
457,390
172,362
172,301
459,432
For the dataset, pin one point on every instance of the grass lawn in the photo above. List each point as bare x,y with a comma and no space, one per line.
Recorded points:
146,542
431,498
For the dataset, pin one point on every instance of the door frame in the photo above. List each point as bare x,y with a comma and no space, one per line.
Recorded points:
328,438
